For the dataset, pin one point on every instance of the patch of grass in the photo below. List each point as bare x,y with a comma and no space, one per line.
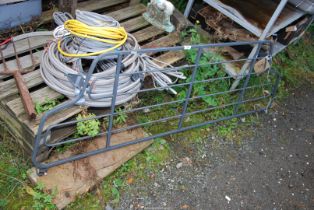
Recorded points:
296,63
12,167
15,190
47,105
41,200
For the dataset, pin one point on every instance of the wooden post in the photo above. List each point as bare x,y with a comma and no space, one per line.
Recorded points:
68,6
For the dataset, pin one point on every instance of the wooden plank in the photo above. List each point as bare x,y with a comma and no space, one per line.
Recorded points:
180,21
39,96
166,41
135,24
76,178
91,5
8,88
55,119
68,6
147,33
132,2
22,45
170,58
16,129
127,12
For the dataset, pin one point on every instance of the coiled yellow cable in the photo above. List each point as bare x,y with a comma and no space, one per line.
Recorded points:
111,35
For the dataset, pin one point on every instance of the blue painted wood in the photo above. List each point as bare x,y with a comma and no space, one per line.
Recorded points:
14,14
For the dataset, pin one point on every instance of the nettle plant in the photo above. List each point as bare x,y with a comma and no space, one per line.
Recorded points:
89,127
205,71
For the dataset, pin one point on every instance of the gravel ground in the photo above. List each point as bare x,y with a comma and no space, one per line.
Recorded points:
272,169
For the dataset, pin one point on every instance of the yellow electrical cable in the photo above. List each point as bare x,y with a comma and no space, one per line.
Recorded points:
111,35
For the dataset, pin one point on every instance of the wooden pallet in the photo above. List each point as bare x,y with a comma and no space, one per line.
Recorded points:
11,108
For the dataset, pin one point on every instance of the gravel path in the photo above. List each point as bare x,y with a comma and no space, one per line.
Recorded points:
273,169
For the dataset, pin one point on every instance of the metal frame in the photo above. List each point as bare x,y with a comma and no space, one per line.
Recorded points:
262,35
237,17
42,137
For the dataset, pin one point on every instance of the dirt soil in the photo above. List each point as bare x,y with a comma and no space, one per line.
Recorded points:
271,169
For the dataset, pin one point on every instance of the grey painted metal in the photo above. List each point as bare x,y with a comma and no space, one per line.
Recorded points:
114,97
43,137
268,27
189,91
188,8
305,5
236,16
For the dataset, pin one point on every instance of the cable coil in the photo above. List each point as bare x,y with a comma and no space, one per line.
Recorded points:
76,45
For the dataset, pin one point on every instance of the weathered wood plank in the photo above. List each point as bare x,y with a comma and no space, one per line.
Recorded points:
86,6
68,6
135,24
22,45
16,129
180,21
39,96
127,12
55,119
8,88
132,2
166,41
76,178
170,58
147,33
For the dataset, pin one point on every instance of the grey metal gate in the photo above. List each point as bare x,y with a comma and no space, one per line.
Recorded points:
254,94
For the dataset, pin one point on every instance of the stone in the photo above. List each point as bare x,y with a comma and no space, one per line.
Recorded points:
159,14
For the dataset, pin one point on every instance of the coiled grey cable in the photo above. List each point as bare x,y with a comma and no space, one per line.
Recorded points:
55,68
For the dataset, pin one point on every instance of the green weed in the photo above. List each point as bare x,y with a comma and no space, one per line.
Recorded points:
87,127
47,105
121,117
41,200
296,63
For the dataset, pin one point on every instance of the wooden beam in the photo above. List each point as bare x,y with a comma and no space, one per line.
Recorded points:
134,2
68,6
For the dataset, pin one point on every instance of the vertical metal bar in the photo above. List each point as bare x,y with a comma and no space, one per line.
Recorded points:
274,90
114,97
31,53
5,67
188,8
268,27
17,58
189,92
248,76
